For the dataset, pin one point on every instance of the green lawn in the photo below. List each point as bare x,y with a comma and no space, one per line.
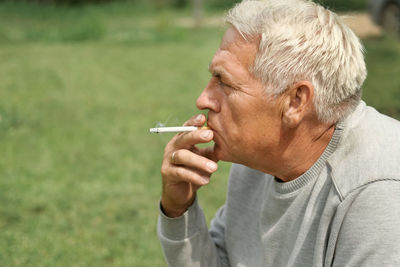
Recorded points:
79,89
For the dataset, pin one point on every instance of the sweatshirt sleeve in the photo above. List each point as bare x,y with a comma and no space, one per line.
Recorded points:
370,231
185,240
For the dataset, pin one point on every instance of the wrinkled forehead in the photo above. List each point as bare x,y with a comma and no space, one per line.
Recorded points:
235,48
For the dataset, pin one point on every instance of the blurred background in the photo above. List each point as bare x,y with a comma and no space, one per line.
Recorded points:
81,83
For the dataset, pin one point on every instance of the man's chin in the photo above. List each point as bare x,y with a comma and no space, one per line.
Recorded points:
218,152
221,154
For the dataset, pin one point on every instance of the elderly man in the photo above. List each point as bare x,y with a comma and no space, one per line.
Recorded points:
315,179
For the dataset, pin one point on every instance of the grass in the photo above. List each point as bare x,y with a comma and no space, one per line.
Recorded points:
382,87
79,172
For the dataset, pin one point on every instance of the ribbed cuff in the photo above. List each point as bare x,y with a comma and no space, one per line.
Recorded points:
180,227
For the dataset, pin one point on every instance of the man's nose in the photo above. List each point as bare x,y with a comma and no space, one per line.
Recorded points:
208,98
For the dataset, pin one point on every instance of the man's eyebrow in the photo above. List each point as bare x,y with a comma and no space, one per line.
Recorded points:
217,71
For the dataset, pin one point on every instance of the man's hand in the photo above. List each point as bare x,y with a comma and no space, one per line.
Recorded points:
185,168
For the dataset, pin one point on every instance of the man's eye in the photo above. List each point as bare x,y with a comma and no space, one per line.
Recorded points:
220,82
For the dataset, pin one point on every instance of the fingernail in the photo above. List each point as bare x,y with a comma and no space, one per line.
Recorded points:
205,180
212,166
205,134
198,118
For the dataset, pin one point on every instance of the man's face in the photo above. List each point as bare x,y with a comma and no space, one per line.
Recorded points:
245,121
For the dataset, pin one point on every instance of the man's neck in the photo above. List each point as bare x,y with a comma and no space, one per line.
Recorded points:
304,148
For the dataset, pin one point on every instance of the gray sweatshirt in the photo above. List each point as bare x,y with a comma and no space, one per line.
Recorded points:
344,211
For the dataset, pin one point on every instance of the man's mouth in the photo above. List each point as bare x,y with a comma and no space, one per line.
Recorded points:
209,125
215,133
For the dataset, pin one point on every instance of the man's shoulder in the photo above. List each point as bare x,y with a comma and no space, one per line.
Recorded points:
369,150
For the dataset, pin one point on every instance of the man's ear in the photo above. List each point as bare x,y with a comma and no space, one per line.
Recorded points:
297,101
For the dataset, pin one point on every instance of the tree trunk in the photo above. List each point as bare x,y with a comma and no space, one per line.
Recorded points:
197,12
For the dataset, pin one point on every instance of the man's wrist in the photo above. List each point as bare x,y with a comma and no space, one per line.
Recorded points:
173,211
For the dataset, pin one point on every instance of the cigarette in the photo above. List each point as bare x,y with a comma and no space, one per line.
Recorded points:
177,129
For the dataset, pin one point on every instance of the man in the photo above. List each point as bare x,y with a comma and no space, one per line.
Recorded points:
316,173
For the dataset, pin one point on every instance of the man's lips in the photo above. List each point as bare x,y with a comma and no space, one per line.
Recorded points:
209,125
215,132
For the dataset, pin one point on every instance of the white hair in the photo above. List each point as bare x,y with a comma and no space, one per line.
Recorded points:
301,40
